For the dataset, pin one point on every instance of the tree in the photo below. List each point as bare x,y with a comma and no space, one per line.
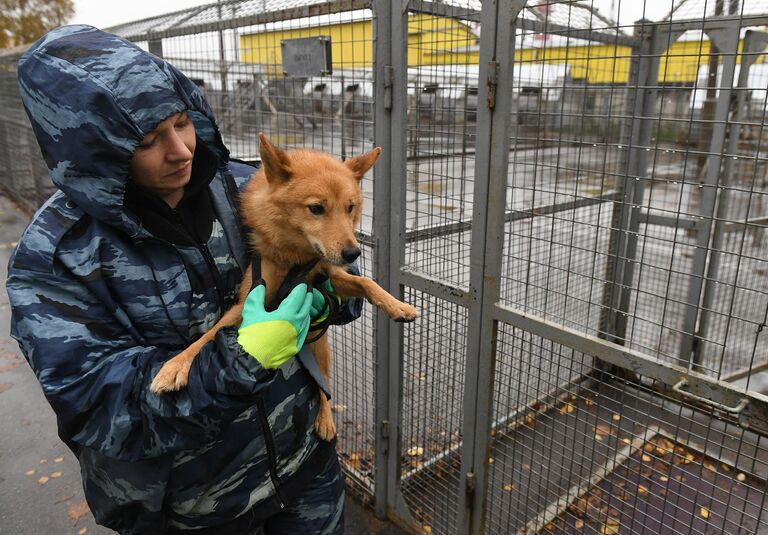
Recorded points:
24,21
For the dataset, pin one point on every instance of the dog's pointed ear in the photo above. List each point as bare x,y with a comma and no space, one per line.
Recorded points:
277,165
360,164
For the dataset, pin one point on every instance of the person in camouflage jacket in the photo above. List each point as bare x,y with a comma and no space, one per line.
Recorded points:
108,282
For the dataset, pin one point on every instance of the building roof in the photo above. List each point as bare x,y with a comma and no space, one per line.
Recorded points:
565,13
700,9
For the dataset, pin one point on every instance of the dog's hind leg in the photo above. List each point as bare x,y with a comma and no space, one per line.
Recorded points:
324,425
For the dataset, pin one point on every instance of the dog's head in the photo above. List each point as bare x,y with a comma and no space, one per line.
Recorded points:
313,201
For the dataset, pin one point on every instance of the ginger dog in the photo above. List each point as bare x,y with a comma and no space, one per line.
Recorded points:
300,205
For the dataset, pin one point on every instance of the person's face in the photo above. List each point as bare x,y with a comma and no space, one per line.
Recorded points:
162,162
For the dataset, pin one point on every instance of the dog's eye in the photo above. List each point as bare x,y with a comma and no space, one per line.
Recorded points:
317,209
350,208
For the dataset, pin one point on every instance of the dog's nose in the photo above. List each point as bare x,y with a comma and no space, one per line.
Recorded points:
350,254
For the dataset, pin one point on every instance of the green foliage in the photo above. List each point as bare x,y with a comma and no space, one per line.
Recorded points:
24,21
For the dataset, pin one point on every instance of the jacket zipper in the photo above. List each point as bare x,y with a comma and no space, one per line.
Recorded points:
215,275
271,458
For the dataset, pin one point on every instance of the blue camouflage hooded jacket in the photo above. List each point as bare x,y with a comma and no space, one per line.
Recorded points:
99,303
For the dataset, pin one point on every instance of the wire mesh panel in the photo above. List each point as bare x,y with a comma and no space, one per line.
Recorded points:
25,175
609,455
442,82
442,101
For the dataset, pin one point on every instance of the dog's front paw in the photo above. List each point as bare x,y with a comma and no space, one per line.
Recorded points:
173,376
402,312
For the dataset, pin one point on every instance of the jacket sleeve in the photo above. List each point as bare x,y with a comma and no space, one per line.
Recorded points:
96,377
351,309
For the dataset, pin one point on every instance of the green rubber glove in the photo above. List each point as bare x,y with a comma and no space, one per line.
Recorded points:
274,337
320,309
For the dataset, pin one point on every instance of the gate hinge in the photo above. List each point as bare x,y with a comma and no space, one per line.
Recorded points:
389,74
469,492
493,77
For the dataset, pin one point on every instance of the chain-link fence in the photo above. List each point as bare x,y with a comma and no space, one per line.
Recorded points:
578,209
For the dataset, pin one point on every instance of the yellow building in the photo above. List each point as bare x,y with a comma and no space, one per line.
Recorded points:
444,41
431,41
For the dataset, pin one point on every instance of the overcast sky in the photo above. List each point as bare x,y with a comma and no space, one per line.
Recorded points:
105,14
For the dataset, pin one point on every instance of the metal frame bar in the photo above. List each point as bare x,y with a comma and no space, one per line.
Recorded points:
395,97
324,8
491,171
382,224
754,415
643,77
726,38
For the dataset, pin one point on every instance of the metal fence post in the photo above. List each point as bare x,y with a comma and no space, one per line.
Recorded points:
754,44
645,75
488,221
391,68
382,137
727,40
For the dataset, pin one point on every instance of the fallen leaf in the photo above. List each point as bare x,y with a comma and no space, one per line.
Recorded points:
77,511
611,527
43,480
589,402
5,386
689,458
664,478
354,461
579,524
741,477
509,487
65,498
616,417
29,472
415,451
56,475
58,459
704,512
338,407
642,489
598,437
43,461
626,441
82,531
646,458
426,530
490,460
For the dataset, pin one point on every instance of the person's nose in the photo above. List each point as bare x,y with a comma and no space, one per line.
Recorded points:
177,150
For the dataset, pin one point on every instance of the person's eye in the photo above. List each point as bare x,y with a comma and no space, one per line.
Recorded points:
147,144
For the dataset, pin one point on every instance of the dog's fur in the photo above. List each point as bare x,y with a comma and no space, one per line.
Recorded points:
280,208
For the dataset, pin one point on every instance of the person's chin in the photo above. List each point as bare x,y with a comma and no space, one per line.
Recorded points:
175,181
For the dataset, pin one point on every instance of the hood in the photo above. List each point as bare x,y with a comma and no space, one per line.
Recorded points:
91,97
